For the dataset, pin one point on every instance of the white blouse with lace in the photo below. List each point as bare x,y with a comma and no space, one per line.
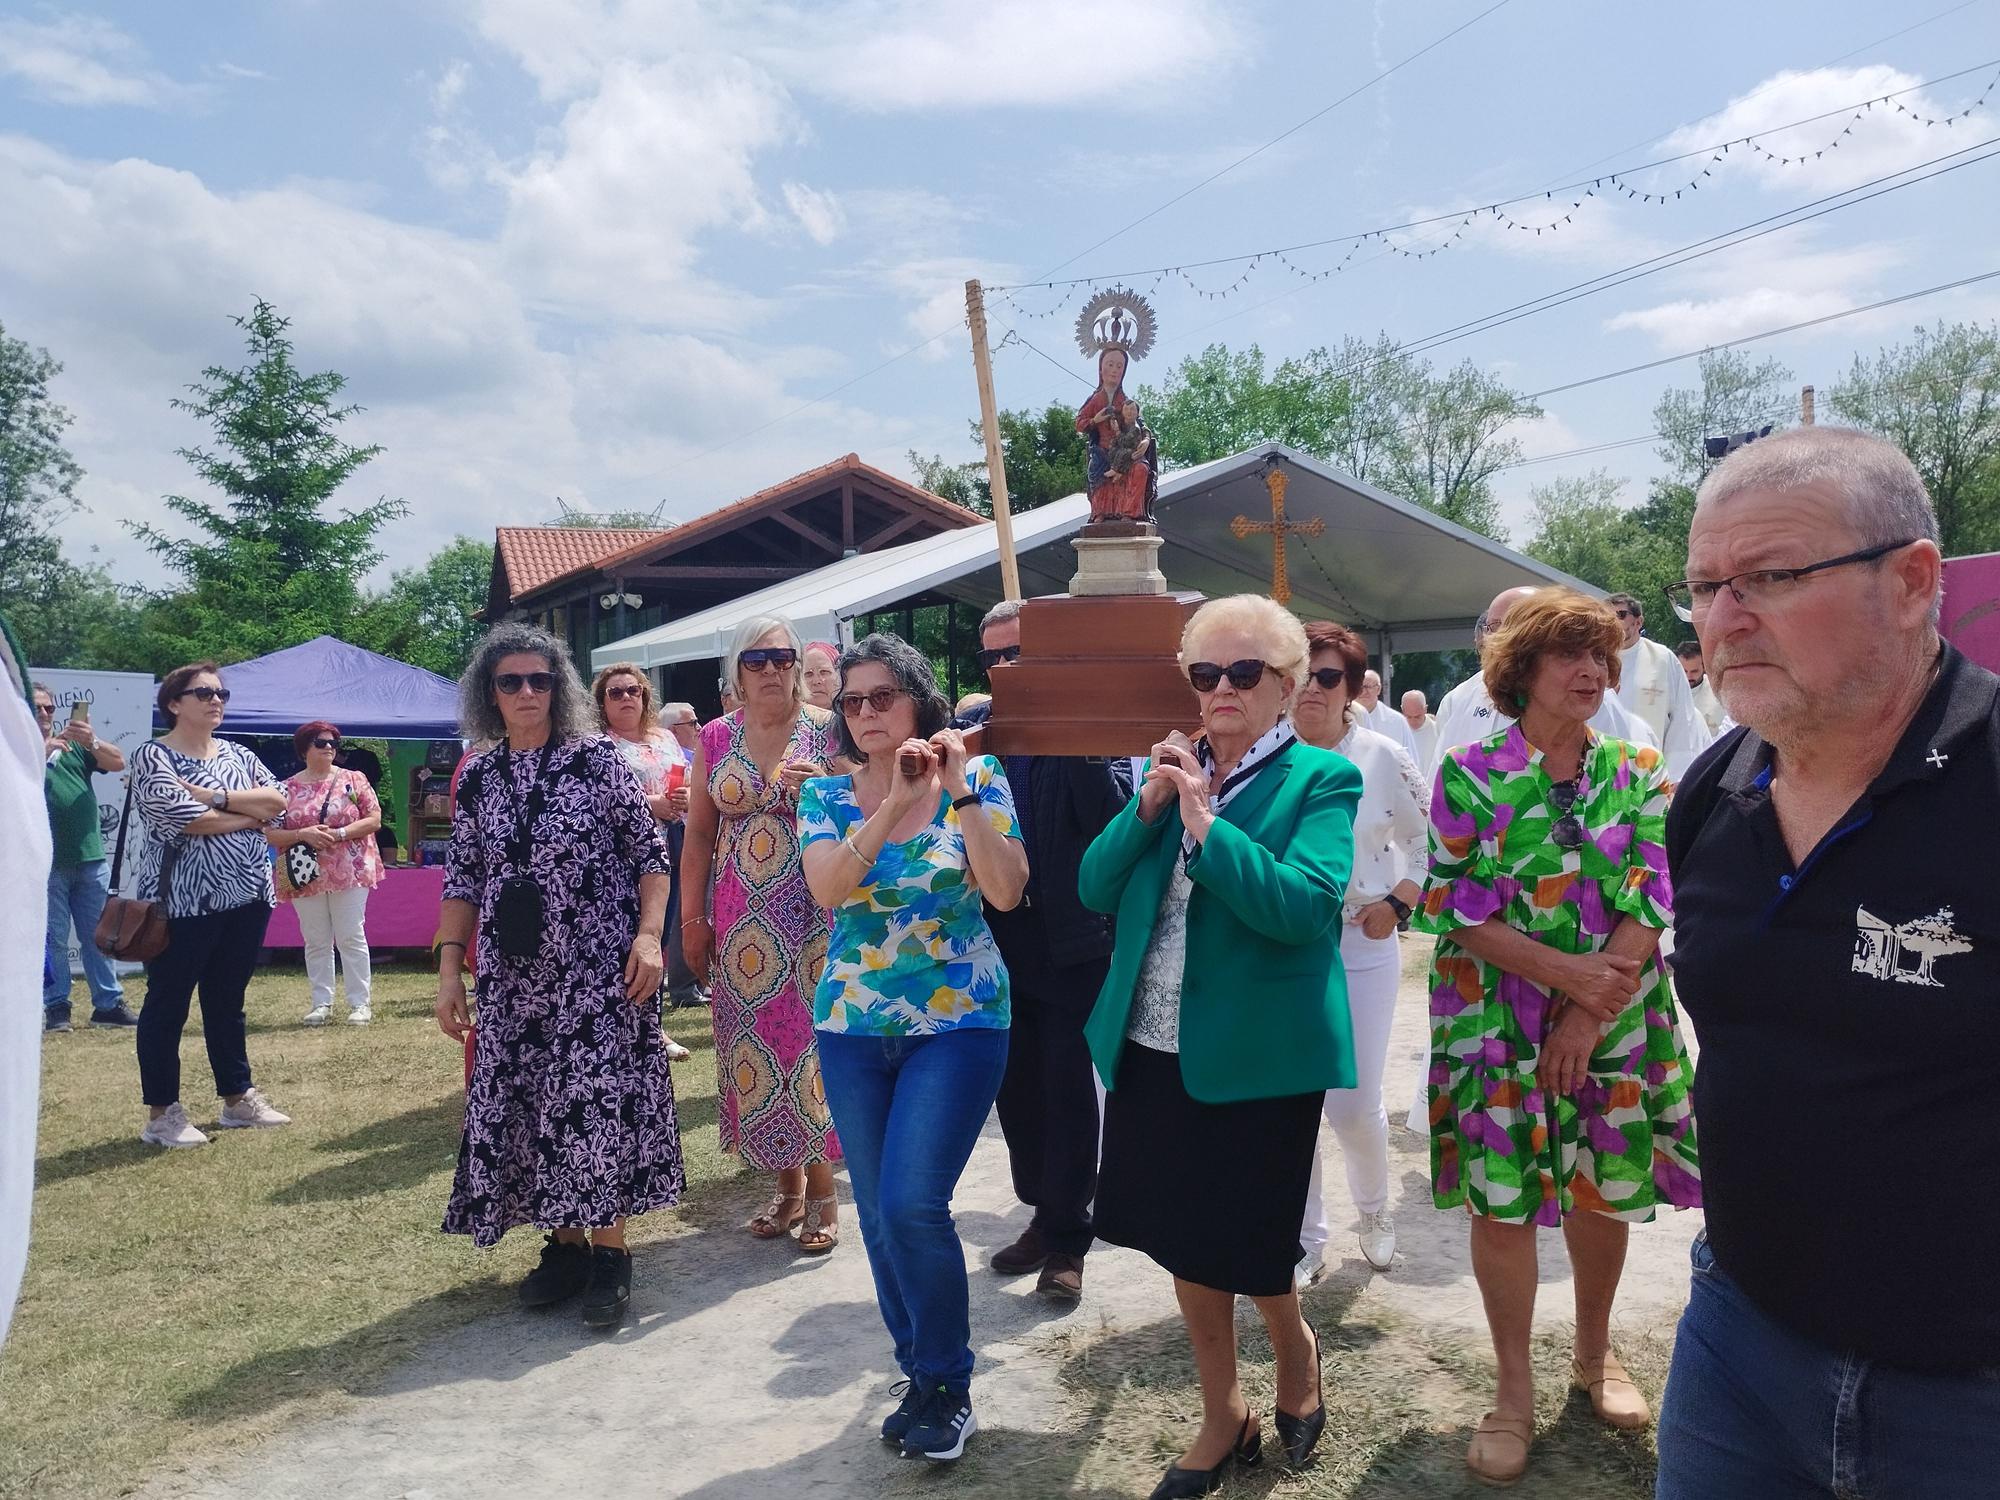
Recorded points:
1155,1020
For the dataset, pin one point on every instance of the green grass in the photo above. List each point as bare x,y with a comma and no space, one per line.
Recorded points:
181,1301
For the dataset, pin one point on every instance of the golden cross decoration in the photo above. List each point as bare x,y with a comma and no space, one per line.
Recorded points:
1275,480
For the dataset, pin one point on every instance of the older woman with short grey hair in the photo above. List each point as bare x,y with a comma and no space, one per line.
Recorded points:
554,856
749,926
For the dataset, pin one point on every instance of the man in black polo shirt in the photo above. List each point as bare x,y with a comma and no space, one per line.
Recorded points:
1837,946
1057,953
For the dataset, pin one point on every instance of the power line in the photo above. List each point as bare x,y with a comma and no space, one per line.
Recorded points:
1294,130
1462,214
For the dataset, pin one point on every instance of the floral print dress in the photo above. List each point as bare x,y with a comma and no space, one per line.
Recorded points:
569,1115
344,798
770,943
1624,1143
911,953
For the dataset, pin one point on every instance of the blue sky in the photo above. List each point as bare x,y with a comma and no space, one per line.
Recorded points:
586,247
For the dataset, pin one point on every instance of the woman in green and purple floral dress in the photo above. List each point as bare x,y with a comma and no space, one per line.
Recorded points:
1559,1081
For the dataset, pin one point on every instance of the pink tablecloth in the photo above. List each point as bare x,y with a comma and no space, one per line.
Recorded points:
402,911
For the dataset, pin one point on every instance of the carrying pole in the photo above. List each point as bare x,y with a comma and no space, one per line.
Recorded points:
989,423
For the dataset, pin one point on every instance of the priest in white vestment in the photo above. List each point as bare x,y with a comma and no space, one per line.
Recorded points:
1382,718
1653,688
1423,727
1706,701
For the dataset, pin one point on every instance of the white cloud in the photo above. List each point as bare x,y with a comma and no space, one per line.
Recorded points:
1769,283
819,213
84,60
1827,155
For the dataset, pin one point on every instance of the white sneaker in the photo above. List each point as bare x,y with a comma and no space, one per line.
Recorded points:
319,1015
252,1112
1378,1240
676,1052
172,1129
360,1015
1308,1271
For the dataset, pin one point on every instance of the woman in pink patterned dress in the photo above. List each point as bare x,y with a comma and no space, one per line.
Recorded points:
334,813
762,941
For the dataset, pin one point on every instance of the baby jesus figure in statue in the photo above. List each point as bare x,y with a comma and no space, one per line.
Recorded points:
1121,476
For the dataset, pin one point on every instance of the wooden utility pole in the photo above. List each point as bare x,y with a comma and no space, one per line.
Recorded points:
989,423
1806,407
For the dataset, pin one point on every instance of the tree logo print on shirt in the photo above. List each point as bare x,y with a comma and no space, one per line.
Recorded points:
1905,952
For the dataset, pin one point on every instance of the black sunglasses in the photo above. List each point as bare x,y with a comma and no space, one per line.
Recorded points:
882,699
1243,675
511,683
988,660
323,743
208,694
1328,678
758,658
1567,832
633,691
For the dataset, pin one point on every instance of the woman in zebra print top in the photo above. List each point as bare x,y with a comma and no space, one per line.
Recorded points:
204,803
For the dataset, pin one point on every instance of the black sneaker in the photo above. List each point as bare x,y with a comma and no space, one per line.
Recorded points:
942,1425
564,1271
610,1287
55,1018
896,1426
118,1015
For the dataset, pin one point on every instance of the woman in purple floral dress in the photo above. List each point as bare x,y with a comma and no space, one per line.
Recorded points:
569,1118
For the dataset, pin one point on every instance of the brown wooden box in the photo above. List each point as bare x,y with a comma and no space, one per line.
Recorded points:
1097,676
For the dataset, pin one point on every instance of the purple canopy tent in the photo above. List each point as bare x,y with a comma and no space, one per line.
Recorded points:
367,695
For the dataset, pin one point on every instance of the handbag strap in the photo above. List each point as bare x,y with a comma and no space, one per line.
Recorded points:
124,823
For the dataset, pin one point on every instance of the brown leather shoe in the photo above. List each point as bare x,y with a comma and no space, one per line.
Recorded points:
1062,1279
1029,1253
1613,1396
1499,1452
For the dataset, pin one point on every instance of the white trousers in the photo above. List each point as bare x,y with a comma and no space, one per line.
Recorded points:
1359,1121
331,919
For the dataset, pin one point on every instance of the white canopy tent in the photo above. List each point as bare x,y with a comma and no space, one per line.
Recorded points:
1394,571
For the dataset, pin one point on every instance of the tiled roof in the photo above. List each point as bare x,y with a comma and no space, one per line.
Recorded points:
535,556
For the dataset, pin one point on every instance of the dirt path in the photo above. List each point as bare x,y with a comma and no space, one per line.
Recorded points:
749,1371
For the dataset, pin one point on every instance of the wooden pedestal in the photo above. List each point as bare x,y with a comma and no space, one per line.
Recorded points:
1097,676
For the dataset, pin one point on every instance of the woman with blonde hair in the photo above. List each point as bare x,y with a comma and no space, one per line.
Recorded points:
1558,1081
624,697
761,940
1224,1019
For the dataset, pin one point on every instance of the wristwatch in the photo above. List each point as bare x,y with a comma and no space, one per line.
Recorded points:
219,801
1401,909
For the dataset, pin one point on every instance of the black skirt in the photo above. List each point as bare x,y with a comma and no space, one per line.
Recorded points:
1214,1193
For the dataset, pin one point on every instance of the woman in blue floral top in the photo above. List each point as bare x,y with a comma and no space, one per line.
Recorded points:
911,1008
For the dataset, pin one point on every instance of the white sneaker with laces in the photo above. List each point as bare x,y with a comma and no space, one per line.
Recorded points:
1378,1240
252,1112
1308,1271
319,1015
360,1015
172,1128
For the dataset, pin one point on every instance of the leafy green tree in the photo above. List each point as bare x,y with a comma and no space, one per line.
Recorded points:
38,475
1938,399
1584,527
1452,441
267,567
609,520
425,616
1043,452
1217,403
1735,394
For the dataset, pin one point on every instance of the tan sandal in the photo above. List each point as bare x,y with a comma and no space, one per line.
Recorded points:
818,1230
1616,1400
1499,1452
774,1222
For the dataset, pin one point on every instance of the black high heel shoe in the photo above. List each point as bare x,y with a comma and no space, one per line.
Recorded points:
1181,1484
1300,1435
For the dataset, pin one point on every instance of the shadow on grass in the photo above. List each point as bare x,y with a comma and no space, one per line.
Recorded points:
401,1152
81,1161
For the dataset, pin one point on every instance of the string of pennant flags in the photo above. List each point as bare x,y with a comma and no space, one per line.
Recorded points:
1566,202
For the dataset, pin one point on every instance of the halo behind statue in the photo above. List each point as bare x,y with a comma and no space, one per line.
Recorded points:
1115,319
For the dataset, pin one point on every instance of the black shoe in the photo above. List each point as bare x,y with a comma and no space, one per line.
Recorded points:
1178,1483
941,1424
56,1018
117,1015
563,1272
1061,1279
610,1287
1300,1435
896,1426
1029,1253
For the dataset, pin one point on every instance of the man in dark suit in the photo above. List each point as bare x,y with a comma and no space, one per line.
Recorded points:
1057,952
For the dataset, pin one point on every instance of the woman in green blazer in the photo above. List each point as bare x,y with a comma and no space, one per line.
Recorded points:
1224,1018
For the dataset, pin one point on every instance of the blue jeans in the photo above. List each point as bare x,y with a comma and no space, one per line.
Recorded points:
76,894
909,1109
1755,1412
